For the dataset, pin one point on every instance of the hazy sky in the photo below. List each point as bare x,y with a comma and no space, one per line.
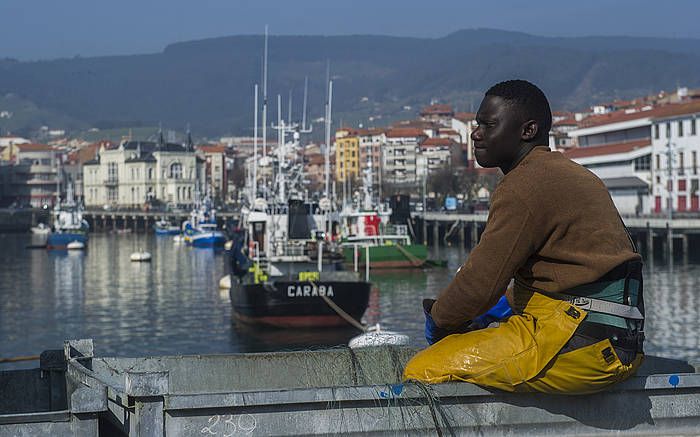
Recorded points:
40,29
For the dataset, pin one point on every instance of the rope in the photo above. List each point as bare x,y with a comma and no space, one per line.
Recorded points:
17,359
345,316
412,259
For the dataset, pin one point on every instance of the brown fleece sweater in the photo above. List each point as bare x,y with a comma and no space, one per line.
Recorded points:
551,225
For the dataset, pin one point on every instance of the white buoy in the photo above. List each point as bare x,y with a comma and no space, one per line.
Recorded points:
140,257
228,244
75,245
225,282
376,337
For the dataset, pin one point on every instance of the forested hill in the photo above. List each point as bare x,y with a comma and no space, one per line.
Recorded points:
209,83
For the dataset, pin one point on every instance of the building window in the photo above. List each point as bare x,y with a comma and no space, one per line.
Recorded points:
693,127
694,187
176,170
680,128
668,130
112,171
695,162
656,131
641,163
681,185
681,162
150,173
658,162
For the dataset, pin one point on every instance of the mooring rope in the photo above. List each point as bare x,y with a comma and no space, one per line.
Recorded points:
345,316
21,358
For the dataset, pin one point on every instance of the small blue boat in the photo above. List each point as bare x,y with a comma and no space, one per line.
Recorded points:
201,229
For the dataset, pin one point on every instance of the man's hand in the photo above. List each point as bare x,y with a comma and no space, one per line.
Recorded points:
497,312
434,333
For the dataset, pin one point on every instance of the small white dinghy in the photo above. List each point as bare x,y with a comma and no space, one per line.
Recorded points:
140,256
75,245
374,336
225,282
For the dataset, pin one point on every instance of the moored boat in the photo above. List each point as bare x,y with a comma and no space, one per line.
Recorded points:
201,229
165,227
68,224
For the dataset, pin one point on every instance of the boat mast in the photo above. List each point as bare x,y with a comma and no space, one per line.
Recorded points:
303,116
254,185
264,114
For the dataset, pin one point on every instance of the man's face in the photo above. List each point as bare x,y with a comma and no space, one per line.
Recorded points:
497,138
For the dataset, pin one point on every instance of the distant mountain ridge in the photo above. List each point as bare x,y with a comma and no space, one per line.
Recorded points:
209,83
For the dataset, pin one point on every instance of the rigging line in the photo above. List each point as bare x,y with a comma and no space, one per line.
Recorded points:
347,317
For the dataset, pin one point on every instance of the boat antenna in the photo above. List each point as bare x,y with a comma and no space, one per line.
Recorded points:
306,90
289,112
264,114
255,148
326,164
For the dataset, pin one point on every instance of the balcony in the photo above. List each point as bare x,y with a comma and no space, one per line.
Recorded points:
111,182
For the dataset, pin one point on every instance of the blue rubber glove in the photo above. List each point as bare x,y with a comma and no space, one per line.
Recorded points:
497,312
433,333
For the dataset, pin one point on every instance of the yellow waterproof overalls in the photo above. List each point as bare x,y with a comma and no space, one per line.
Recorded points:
523,352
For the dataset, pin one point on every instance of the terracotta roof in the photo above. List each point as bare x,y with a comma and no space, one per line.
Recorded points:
677,109
668,110
465,116
614,117
437,109
609,149
405,132
216,148
566,122
33,147
437,142
421,124
448,132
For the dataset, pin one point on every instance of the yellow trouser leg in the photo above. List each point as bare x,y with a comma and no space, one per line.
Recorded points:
521,354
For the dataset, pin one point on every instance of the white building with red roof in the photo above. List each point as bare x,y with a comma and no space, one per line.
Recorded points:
675,148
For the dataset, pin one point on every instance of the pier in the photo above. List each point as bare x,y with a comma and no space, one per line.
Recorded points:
141,221
667,236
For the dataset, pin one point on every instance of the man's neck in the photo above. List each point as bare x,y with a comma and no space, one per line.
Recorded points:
522,153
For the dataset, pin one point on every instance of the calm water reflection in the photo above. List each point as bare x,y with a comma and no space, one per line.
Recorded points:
174,306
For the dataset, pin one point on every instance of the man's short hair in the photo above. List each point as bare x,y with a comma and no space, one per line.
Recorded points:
530,101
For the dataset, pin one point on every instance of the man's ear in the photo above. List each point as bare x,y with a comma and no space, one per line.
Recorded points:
530,130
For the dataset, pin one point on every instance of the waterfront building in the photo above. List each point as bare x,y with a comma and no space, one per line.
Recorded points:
439,153
72,167
8,150
215,170
675,147
347,155
371,141
399,155
562,124
138,171
32,175
464,123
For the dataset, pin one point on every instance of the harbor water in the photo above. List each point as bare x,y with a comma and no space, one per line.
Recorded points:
173,305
